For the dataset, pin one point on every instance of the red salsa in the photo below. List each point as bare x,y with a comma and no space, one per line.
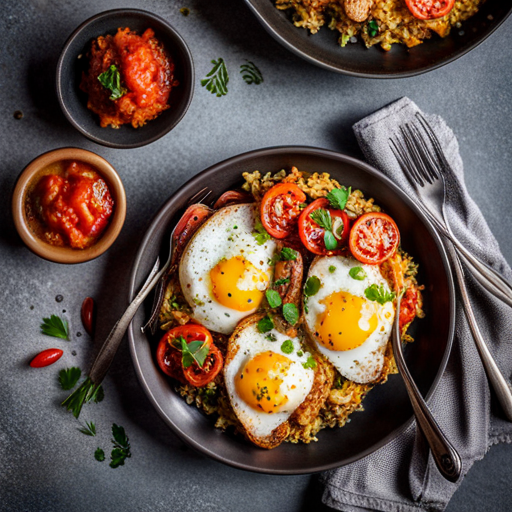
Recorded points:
129,79
69,205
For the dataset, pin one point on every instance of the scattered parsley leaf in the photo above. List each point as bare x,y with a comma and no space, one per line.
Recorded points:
265,324
322,218
56,327
69,377
338,197
357,273
300,353
193,352
99,455
86,392
310,363
89,429
260,233
217,79
332,268
250,73
288,254
287,346
379,294
312,286
291,313
111,79
121,450
280,282
273,298
372,28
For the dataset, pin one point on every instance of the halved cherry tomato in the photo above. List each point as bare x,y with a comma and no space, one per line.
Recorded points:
408,307
200,376
280,209
312,235
373,238
430,9
46,357
169,357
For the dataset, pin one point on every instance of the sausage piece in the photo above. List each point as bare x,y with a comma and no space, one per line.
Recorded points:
293,271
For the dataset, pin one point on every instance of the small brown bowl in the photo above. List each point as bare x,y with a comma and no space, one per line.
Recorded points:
67,254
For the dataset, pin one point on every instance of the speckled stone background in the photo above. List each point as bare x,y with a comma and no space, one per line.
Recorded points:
46,464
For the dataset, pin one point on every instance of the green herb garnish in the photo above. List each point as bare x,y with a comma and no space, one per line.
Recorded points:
99,455
265,324
357,273
89,429
288,254
280,282
185,11
323,219
271,337
260,233
86,392
379,294
332,269
217,79
193,352
273,298
338,197
250,73
312,286
56,327
372,28
111,79
291,313
69,377
287,346
121,449
310,363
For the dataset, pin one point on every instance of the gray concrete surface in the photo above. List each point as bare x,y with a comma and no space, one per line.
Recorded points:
45,463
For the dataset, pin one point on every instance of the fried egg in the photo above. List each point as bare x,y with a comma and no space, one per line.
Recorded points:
267,378
224,272
348,329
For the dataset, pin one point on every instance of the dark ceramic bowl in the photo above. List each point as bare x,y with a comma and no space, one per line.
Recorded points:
323,50
387,408
73,61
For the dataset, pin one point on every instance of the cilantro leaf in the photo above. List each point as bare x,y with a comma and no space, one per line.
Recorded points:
357,273
260,233
379,294
250,73
89,429
121,450
273,298
69,377
287,346
291,313
216,81
193,352
99,455
312,286
310,363
56,327
265,324
338,197
111,79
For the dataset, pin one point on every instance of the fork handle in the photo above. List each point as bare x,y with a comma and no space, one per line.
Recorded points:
500,385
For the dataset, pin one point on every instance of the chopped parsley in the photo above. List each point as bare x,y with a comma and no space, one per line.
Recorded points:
260,233
323,219
99,455
273,298
68,377
332,269
357,273
111,79
379,294
291,313
56,327
312,286
338,197
372,28
287,346
121,450
280,282
193,352
310,363
265,324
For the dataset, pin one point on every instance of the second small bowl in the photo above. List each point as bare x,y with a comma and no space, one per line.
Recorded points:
73,62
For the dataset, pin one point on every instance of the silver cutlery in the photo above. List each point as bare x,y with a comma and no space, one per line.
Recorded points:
445,455
88,390
425,172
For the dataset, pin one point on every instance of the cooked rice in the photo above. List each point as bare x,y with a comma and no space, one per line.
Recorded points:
395,21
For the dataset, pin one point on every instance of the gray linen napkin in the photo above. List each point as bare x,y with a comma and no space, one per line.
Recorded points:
402,475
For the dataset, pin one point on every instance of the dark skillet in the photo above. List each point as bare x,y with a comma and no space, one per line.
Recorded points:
387,408
355,59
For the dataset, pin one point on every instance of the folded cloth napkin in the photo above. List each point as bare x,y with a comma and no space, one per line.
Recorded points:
402,475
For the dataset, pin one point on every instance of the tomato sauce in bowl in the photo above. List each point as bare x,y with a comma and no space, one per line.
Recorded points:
129,79
69,205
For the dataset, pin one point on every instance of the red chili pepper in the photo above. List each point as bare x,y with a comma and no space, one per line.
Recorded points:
46,357
88,314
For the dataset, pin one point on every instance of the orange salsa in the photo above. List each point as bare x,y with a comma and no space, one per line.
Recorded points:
146,78
69,205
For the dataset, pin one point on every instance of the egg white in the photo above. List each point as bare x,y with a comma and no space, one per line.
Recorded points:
362,364
296,385
227,234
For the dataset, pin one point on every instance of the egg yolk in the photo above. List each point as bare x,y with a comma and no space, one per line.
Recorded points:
346,322
237,284
259,382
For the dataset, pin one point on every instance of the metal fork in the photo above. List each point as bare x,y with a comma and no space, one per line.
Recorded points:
418,175
87,391
425,173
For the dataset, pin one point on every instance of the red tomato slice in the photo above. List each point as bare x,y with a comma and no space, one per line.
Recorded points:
430,9
200,376
374,238
312,235
46,357
408,307
280,209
